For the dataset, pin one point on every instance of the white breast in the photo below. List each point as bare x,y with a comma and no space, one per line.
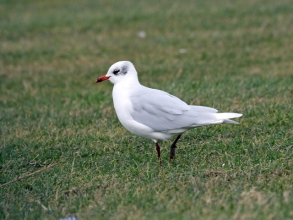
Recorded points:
123,108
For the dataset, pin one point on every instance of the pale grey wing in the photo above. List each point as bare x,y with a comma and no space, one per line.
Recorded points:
162,111
196,108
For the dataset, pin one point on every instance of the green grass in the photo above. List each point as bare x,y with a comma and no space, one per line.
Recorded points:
239,59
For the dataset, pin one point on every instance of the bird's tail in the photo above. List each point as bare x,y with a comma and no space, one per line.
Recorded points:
226,117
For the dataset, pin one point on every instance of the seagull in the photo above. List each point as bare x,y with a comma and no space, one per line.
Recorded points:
153,113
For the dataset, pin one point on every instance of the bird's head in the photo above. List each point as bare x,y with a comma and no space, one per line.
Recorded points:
119,72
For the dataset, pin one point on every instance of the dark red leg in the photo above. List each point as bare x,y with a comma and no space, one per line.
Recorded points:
159,153
173,148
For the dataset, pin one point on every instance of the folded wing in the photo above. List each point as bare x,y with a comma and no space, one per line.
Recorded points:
164,112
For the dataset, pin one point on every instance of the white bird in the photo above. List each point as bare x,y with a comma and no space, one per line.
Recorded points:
153,113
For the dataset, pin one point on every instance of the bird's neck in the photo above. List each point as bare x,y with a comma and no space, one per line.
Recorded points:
128,84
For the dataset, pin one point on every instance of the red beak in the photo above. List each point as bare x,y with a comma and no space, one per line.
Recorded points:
102,78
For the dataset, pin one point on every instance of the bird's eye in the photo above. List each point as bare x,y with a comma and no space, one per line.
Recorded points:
116,71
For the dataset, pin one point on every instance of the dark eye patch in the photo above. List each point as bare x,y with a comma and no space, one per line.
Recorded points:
124,69
116,71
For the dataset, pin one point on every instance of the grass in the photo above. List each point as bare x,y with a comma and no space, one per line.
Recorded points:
237,58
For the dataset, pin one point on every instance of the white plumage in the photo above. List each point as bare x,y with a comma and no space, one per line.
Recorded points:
153,113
